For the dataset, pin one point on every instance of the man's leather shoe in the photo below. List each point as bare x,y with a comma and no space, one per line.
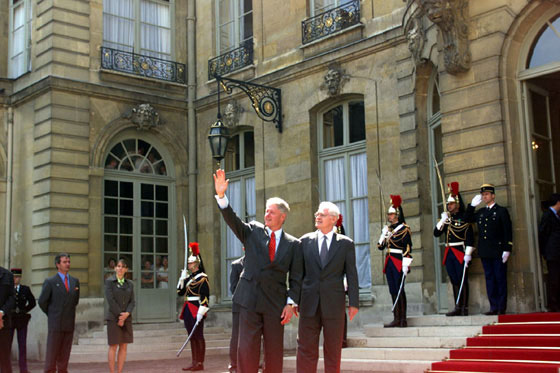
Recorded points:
190,367
197,366
490,313
502,312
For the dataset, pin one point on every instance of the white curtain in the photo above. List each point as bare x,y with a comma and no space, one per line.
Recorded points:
118,24
335,184
225,11
250,200
358,172
17,56
155,29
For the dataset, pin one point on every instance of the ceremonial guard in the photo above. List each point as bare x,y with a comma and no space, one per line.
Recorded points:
25,301
397,239
197,292
494,245
459,245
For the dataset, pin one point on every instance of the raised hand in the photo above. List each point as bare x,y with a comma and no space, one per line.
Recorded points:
220,182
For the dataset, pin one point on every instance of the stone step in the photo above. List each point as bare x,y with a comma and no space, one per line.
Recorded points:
432,354
369,365
154,340
423,331
408,342
442,320
137,347
89,357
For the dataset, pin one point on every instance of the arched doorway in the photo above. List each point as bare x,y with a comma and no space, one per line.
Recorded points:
539,78
138,220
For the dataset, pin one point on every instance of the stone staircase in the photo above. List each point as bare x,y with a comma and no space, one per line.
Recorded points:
150,340
427,339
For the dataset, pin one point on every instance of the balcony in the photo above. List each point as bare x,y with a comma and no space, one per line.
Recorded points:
231,61
146,66
330,22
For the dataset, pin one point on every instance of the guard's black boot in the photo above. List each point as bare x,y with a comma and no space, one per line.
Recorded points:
402,314
457,310
194,356
396,318
465,300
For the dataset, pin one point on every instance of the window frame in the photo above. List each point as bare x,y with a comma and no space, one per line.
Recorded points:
28,19
236,41
137,47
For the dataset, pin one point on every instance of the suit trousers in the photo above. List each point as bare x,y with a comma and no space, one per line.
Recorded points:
308,342
22,344
251,326
5,350
59,345
234,341
553,285
496,283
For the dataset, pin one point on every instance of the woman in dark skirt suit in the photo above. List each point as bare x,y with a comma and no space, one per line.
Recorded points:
120,299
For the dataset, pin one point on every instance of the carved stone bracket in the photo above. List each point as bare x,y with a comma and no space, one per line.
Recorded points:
144,116
449,17
334,80
231,113
416,35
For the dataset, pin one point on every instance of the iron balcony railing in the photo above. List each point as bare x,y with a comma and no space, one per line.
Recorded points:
331,21
230,61
137,64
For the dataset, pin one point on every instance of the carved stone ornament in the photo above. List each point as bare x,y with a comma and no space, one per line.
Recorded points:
231,114
334,80
449,16
144,116
416,35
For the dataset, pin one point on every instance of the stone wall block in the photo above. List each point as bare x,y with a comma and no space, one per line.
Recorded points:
51,230
408,157
474,158
480,94
76,187
409,173
473,137
471,117
407,121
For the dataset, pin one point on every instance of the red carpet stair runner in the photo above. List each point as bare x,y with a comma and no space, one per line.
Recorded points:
522,343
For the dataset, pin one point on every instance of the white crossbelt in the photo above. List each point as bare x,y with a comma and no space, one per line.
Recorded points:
456,244
395,251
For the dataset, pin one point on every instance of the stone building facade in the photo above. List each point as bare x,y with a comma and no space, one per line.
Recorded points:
104,147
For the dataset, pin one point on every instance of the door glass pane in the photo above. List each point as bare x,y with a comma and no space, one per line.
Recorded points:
147,191
540,114
333,128
161,192
111,188
547,47
357,121
249,149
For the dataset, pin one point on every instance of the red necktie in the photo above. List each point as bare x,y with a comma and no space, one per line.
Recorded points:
66,283
272,247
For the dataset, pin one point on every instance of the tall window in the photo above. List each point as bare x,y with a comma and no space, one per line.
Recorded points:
547,48
20,37
139,26
234,23
343,170
240,169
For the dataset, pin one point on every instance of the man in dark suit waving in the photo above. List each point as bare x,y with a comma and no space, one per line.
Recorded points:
327,257
271,257
59,297
549,244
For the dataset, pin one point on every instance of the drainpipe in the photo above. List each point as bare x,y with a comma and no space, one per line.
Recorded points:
8,218
191,118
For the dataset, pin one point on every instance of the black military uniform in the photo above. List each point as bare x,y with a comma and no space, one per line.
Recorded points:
459,239
197,292
494,238
25,301
398,243
7,304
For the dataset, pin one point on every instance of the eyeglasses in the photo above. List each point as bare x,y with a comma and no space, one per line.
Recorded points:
320,214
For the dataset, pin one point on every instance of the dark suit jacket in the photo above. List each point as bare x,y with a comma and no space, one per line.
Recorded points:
236,269
262,284
58,304
549,236
119,298
325,285
494,230
7,299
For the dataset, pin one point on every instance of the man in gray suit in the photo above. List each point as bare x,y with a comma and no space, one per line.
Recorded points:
327,257
271,257
59,297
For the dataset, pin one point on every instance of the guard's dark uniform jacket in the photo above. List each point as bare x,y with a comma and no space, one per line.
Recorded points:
25,302
398,246
494,230
458,235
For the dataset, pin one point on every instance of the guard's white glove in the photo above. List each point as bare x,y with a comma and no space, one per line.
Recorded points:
505,256
406,262
467,259
444,220
384,233
184,275
476,200
201,312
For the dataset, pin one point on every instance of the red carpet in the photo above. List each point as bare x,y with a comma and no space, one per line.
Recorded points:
523,343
